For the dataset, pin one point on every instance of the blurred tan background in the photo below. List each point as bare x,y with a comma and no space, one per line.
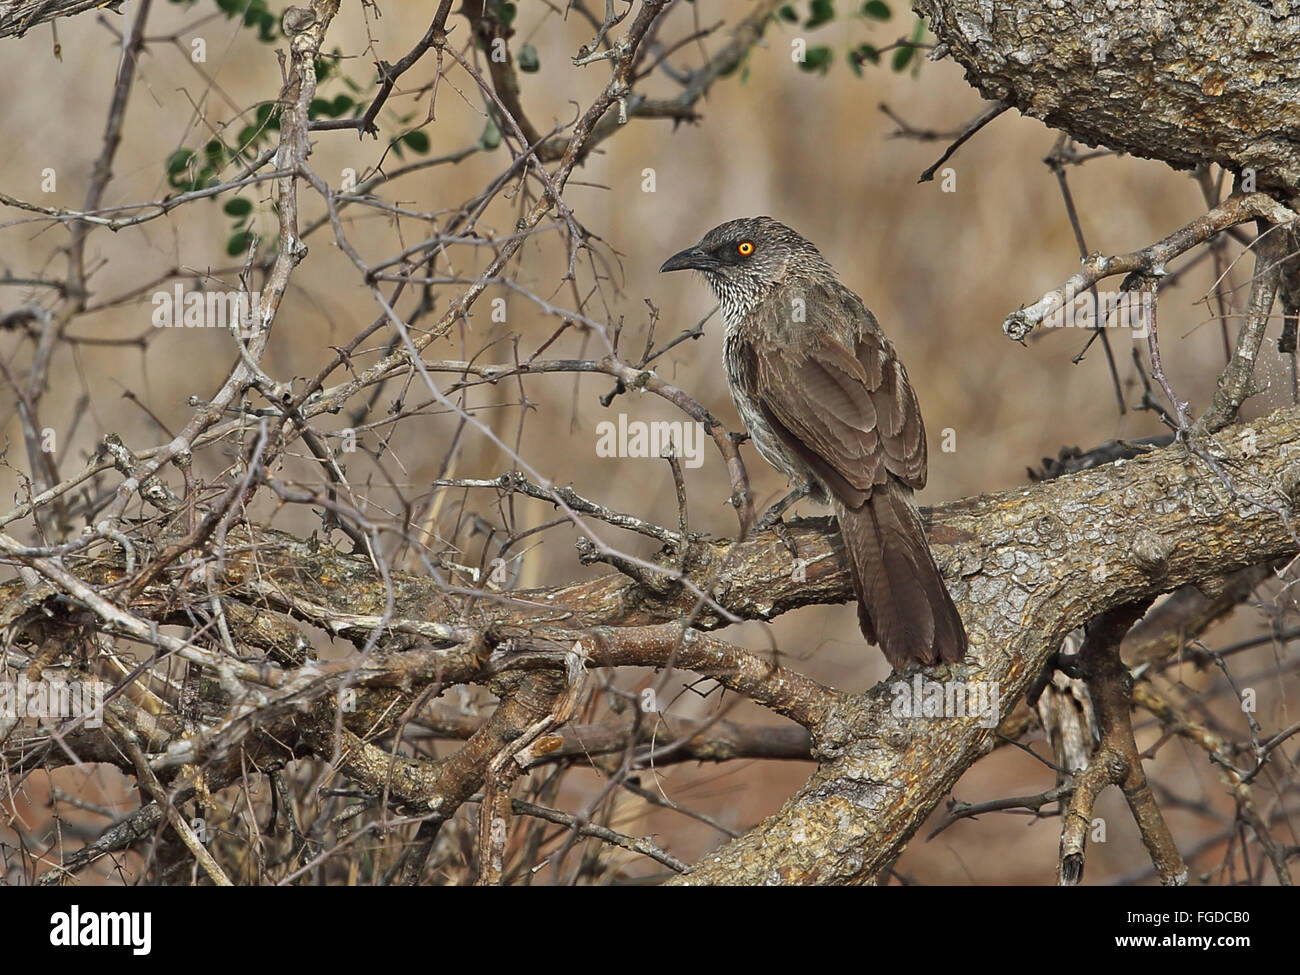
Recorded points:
940,271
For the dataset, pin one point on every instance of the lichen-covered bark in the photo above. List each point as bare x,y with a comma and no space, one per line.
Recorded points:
1185,81
1025,567
1034,563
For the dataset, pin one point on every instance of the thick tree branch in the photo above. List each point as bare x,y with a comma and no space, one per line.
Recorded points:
1042,564
1130,75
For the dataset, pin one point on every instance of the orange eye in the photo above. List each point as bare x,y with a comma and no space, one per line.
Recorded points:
744,248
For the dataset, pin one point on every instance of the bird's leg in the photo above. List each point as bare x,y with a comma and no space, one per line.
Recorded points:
783,532
773,514
772,517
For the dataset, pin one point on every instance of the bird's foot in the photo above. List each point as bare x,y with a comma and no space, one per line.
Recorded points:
783,532
771,518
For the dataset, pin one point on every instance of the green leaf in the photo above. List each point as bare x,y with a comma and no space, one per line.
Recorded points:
862,54
419,141
333,108
823,11
267,27
528,60
817,59
238,243
238,207
877,9
491,137
788,14
179,161
255,12
907,55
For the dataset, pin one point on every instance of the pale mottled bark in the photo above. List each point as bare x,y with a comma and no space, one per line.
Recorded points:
1184,81
1025,566
1034,563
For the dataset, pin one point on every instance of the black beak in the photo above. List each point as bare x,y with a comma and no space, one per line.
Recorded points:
691,259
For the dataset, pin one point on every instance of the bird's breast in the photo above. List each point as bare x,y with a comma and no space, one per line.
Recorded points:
739,360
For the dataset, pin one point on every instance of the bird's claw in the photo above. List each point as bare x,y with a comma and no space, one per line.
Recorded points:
771,518
783,532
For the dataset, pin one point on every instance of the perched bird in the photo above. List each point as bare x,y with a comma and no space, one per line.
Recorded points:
826,402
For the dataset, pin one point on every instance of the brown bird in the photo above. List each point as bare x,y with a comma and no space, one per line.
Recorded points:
826,402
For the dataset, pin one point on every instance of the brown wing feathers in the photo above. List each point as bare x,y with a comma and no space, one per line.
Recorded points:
854,420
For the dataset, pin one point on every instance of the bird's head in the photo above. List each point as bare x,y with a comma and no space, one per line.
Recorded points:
741,258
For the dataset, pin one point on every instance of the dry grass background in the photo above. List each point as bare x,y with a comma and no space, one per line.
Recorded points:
940,270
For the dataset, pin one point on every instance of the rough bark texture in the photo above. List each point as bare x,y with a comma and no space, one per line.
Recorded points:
1034,563
1026,567
1188,83
1180,80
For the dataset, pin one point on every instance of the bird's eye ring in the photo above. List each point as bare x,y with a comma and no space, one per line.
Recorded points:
745,248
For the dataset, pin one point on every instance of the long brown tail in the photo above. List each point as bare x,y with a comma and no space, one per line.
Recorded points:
903,604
